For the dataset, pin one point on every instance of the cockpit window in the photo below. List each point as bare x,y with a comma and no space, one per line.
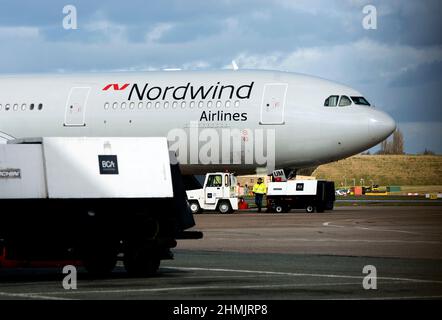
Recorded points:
360,101
345,101
331,101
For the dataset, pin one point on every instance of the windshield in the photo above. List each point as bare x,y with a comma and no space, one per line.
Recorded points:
360,100
214,181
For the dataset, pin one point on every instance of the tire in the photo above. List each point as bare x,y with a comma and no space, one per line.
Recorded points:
224,207
139,261
329,205
195,207
310,208
99,261
279,209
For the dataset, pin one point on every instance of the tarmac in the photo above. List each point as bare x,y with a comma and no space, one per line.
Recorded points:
276,256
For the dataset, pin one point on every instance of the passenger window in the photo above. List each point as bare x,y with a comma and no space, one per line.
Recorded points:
209,104
345,101
166,104
200,104
7,107
226,180
131,105
174,104
15,107
0,106
114,105
23,106
106,106
157,105
214,181
218,104
149,105
31,107
123,105
140,105
331,101
183,104
228,104
236,103
192,104
40,106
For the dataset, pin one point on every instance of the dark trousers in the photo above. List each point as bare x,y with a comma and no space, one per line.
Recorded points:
258,200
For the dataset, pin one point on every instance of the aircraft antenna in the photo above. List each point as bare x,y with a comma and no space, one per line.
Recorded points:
234,65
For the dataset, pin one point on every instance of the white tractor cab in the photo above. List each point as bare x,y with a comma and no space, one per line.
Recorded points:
218,194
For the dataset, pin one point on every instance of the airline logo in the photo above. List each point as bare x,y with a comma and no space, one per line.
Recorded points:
189,91
116,86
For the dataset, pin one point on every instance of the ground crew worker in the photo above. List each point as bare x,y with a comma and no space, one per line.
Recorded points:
259,189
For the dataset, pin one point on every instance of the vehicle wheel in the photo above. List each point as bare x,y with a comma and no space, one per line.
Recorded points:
100,261
224,207
329,205
140,261
195,207
310,209
279,209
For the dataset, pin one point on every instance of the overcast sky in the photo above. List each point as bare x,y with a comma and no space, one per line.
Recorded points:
398,66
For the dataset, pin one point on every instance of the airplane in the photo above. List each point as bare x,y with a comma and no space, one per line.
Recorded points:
306,120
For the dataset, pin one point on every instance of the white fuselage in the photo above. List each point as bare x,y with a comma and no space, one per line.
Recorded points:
245,104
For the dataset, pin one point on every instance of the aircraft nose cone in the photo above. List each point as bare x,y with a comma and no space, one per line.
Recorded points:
380,125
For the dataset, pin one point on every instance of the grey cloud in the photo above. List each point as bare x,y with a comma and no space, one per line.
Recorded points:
422,74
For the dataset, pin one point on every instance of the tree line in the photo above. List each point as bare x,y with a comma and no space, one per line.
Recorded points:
393,146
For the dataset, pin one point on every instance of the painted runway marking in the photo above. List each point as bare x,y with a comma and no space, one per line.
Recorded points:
353,281
389,230
39,295
328,224
337,276
338,240
30,296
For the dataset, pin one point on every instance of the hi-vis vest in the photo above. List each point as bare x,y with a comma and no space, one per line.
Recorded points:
260,188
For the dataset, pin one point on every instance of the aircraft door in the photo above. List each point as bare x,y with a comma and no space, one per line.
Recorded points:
273,103
213,188
76,107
